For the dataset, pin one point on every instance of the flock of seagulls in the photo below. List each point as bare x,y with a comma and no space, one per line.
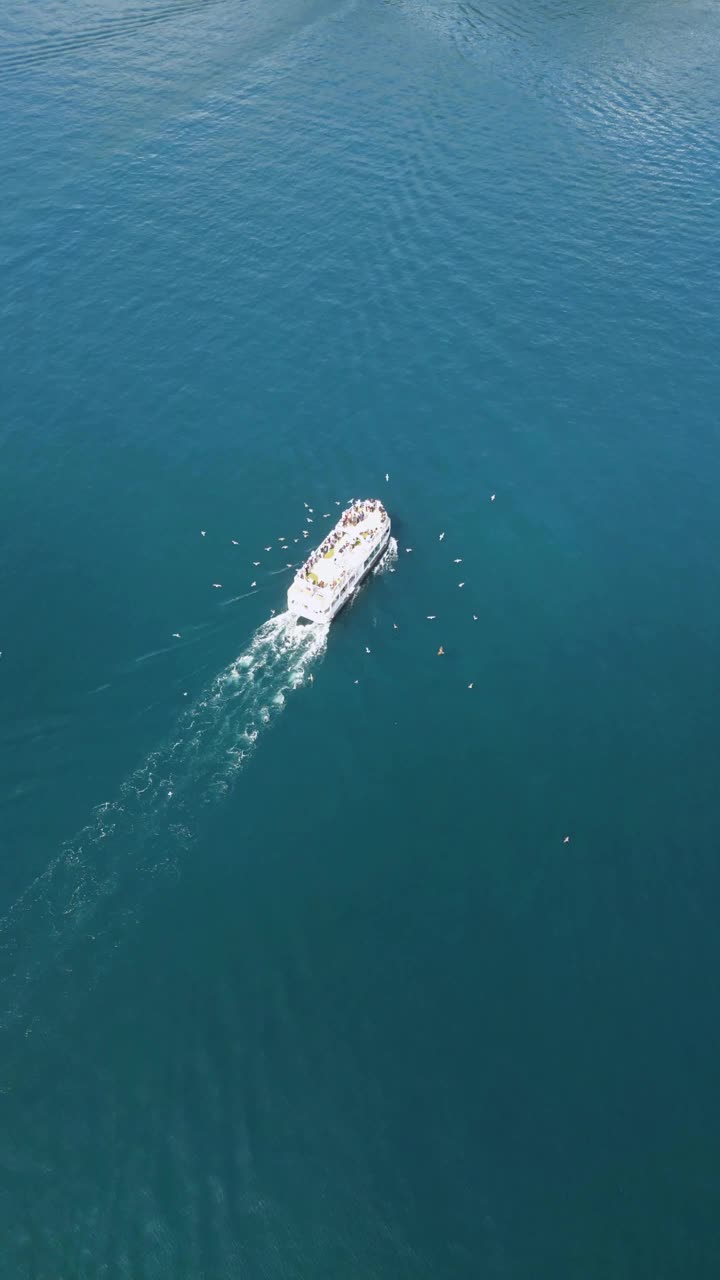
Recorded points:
283,542
432,617
284,545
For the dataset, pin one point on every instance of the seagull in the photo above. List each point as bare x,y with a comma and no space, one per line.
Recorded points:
475,617
176,635
326,515
461,584
217,584
256,563
310,509
395,626
272,613
305,505
442,535
387,477
267,548
233,542
458,561
202,533
440,652
566,839
288,566
366,649
492,497
282,538
296,539
309,520
356,681
431,617
337,504
408,548
471,684
253,584
306,533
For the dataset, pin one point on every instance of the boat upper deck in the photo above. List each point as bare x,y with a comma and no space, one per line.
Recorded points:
343,554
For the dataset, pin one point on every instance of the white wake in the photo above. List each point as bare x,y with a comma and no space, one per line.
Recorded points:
76,912
388,562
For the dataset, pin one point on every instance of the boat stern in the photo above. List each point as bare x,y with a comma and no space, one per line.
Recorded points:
302,604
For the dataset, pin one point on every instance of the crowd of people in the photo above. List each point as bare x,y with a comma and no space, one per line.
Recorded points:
359,509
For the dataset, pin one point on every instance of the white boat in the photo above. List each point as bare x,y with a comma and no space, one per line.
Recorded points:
330,575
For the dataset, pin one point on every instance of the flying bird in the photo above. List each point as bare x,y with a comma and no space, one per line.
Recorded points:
408,548
256,563
440,652
458,561
566,839
337,504
387,477
475,617
395,626
202,533
176,635
492,497
267,548
217,584
233,542
366,649
431,617
442,535
461,584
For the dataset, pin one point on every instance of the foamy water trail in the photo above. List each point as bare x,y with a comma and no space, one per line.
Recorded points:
389,560
73,916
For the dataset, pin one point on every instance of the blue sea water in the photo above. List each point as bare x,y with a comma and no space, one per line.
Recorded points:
302,978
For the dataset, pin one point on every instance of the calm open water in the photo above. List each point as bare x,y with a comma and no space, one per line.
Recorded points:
300,978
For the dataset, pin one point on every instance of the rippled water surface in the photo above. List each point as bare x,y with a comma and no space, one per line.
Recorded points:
406,969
